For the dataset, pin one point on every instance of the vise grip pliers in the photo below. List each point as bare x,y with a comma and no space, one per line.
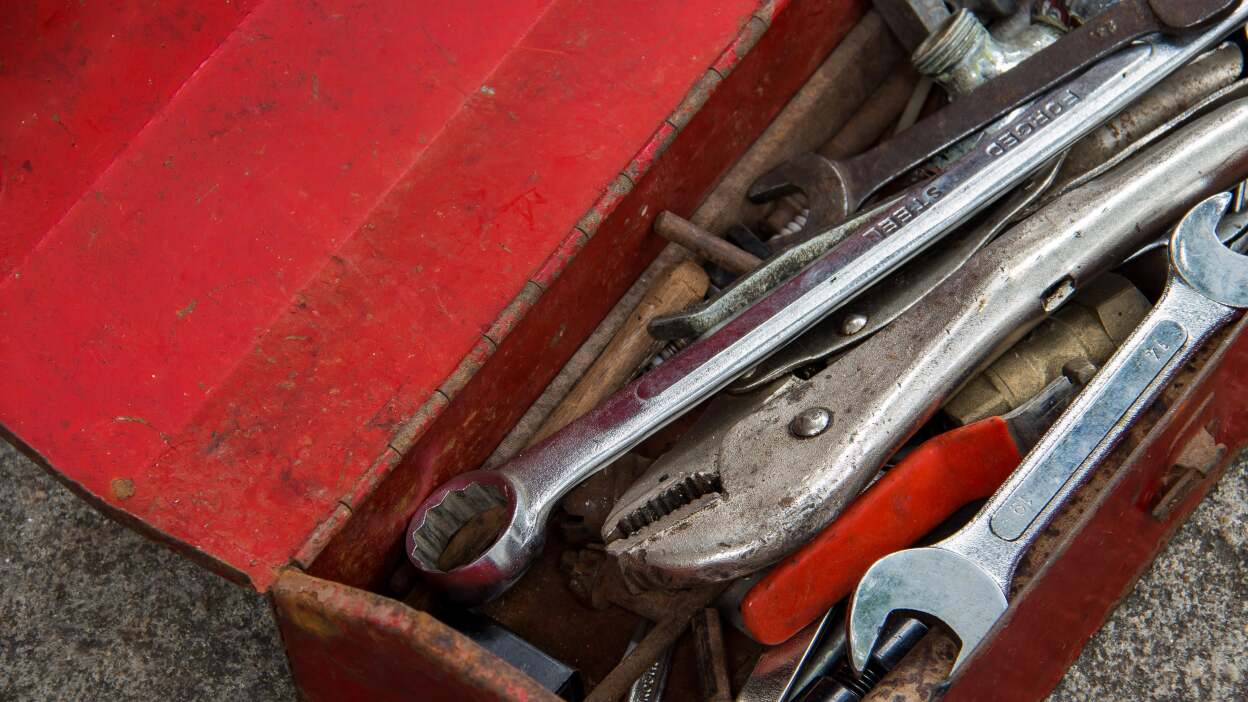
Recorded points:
528,487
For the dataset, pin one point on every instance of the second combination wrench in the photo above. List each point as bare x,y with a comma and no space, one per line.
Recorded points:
964,580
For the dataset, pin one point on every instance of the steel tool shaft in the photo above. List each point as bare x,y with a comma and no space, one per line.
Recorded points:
965,579
527,488
881,391
837,188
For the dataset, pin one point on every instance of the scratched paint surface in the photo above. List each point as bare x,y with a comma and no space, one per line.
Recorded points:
252,238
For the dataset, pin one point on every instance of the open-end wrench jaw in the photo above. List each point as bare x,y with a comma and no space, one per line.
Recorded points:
924,581
822,182
1199,257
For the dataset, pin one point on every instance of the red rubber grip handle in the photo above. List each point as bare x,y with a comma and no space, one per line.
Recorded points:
940,476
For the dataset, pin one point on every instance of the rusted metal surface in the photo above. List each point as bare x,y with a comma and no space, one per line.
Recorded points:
724,254
836,90
346,644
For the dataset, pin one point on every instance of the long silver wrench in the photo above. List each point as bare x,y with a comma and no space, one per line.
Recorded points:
965,580
529,486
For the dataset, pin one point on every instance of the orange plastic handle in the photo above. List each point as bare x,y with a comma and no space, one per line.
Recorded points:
940,476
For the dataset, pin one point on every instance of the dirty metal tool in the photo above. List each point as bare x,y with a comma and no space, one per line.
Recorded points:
887,299
912,20
961,56
1072,343
834,189
715,249
916,496
630,347
593,578
793,456
708,642
965,580
1193,90
842,685
528,487
782,672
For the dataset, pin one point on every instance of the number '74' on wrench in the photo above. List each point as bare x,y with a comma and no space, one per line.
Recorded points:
965,579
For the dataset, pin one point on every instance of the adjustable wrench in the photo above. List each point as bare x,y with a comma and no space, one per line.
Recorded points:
878,393
526,489
965,579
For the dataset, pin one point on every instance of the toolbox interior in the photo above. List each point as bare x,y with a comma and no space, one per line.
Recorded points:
543,610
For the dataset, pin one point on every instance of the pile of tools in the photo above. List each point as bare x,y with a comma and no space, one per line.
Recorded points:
956,297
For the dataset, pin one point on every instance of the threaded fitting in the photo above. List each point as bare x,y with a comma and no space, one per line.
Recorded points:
945,48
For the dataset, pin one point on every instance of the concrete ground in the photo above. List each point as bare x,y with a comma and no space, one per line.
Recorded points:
90,610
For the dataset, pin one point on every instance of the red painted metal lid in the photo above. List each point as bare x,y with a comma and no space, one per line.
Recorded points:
242,242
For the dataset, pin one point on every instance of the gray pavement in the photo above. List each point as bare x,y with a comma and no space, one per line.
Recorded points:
90,610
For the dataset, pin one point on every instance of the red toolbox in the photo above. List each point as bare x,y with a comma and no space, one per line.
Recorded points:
290,265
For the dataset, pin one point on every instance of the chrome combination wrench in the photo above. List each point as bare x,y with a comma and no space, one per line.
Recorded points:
527,488
965,580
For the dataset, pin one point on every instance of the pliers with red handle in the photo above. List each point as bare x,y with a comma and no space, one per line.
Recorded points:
924,489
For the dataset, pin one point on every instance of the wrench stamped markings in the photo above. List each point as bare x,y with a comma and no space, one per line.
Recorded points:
1035,493
895,219
1031,122
1010,137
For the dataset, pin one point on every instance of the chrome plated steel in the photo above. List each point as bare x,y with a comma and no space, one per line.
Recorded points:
694,516
1192,91
835,189
783,671
527,488
1108,146
874,309
964,580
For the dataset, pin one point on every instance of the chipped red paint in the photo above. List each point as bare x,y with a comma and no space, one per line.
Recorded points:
255,239
744,42
462,437
346,644
1052,618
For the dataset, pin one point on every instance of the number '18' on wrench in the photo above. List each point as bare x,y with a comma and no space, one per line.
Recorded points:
965,579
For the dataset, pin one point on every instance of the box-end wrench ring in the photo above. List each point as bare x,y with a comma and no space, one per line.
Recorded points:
965,580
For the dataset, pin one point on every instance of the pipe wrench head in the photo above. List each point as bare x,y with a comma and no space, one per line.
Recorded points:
474,536
929,581
820,179
1198,256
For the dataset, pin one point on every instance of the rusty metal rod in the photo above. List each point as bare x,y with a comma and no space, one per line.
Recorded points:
681,231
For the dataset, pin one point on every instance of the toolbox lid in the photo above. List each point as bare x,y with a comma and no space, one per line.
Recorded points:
242,242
